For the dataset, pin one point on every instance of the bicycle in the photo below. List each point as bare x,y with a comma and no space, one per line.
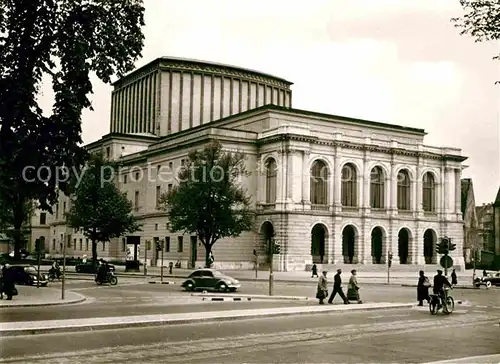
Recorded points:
437,302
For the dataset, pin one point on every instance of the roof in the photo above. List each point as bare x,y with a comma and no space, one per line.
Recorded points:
157,62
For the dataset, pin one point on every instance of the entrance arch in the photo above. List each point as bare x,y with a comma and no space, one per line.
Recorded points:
403,245
348,244
430,239
267,236
318,241
377,245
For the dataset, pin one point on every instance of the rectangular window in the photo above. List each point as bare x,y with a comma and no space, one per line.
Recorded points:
43,218
57,211
125,179
124,244
167,244
183,162
53,244
158,195
180,244
64,207
108,152
137,177
86,244
103,246
156,227
74,244
136,201
169,187
81,244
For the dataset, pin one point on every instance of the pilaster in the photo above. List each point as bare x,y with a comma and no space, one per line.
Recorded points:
337,180
393,188
306,180
458,192
419,192
365,202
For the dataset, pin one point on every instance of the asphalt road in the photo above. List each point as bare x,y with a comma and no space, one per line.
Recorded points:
134,297
404,335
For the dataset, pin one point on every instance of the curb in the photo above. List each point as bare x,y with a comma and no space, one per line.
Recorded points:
65,302
176,319
154,282
471,359
225,299
456,287
250,296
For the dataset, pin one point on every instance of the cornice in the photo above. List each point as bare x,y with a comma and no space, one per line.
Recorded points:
359,146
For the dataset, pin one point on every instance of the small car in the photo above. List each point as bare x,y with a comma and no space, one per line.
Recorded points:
89,267
210,279
28,275
488,281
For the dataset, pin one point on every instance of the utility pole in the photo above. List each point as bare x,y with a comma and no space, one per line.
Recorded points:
146,259
271,277
64,268
38,252
162,250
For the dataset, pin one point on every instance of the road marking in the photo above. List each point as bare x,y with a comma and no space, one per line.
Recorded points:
387,316
480,306
478,311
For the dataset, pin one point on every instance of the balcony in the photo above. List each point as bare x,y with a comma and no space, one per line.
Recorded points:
266,206
315,207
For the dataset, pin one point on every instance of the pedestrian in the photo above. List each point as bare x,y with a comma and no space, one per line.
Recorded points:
322,291
1,282
485,274
423,288
454,280
353,288
337,288
314,271
8,281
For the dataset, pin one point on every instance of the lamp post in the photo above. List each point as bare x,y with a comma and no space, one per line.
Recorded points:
162,242
64,268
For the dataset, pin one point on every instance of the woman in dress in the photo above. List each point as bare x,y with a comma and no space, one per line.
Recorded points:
322,291
423,288
353,288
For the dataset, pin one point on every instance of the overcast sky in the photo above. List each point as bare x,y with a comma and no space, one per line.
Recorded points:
398,61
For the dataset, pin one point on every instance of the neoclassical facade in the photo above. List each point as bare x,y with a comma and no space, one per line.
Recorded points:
327,189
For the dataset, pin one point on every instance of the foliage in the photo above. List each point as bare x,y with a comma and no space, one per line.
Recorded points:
63,41
98,207
481,20
209,200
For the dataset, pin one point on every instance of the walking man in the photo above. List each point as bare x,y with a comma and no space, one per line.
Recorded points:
337,288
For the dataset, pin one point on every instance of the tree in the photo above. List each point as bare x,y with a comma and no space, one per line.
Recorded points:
481,21
66,41
209,200
98,207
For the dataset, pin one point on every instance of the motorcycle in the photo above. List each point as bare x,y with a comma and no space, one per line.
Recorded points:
436,303
109,278
54,274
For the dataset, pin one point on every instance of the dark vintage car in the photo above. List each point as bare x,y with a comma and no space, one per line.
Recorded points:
89,267
210,279
488,281
28,275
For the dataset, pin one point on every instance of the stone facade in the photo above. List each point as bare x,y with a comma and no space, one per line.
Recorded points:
308,217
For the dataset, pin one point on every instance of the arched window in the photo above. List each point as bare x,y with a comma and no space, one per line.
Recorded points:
377,183
271,180
349,195
403,190
428,193
319,183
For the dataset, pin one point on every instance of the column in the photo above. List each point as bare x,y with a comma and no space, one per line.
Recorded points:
281,189
306,182
418,196
446,190
331,189
393,188
458,188
289,175
365,203
337,178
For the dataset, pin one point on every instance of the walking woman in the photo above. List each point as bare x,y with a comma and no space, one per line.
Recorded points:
353,288
322,291
423,288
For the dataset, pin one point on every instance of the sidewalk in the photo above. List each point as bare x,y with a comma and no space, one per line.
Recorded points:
44,296
107,323
483,359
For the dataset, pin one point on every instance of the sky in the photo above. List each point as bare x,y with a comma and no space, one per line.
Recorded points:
393,61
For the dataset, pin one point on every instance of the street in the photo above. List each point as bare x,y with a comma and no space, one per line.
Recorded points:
404,335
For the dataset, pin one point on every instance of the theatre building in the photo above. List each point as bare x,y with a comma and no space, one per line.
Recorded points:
328,189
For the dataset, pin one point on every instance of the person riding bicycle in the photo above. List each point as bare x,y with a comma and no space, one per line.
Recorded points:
55,269
102,270
440,281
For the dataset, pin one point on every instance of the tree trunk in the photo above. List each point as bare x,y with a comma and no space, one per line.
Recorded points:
94,252
17,240
208,249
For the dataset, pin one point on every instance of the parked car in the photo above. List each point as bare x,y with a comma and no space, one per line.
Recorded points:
28,275
488,281
210,279
89,267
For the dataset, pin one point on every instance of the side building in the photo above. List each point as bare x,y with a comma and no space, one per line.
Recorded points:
328,189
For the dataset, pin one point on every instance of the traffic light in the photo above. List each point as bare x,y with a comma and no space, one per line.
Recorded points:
389,260
158,244
277,248
451,245
445,245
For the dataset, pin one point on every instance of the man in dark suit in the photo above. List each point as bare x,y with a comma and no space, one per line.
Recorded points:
337,288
